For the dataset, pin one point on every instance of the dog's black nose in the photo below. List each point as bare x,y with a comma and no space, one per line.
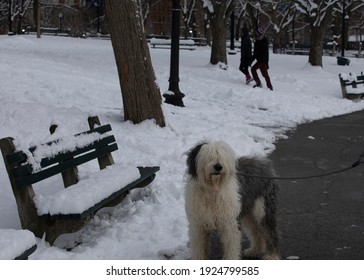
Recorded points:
218,167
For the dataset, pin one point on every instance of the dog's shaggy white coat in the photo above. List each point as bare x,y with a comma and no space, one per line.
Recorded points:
214,195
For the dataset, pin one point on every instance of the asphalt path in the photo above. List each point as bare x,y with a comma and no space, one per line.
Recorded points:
322,218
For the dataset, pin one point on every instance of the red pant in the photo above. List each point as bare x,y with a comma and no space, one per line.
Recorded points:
263,68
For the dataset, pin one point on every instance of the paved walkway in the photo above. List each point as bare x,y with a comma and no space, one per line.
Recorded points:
322,218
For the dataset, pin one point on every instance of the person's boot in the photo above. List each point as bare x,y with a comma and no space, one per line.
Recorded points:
248,79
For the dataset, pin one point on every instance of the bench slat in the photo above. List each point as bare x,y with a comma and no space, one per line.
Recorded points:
147,175
53,170
100,129
353,83
360,78
27,169
16,158
19,156
65,156
26,253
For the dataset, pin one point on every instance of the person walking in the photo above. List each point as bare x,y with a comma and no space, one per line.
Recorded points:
261,55
246,54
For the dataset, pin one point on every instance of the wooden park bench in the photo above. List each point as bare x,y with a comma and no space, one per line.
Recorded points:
298,51
166,43
54,31
352,86
71,207
16,244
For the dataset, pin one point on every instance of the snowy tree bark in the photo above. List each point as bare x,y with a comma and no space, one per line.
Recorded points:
140,93
220,12
187,8
318,15
218,29
316,48
36,9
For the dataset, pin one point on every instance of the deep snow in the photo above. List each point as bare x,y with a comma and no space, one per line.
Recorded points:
64,80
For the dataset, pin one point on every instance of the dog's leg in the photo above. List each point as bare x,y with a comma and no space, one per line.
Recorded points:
272,251
256,238
272,238
199,242
231,240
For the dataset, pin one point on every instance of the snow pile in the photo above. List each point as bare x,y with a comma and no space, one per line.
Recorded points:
87,192
14,242
63,145
65,80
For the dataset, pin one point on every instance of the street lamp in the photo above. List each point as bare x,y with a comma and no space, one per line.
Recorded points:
60,20
343,31
257,6
10,29
345,18
98,4
232,32
174,95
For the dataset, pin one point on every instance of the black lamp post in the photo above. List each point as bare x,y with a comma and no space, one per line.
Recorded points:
343,31
258,14
232,33
98,5
10,31
60,20
293,37
176,97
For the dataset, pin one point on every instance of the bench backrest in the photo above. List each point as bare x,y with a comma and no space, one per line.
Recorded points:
25,173
352,82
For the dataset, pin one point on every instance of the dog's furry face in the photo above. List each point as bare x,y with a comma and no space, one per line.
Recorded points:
211,163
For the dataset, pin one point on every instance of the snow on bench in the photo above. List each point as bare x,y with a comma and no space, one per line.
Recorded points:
352,86
166,43
69,209
16,244
87,192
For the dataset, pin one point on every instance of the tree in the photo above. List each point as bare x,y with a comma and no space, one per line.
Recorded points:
140,93
318,14
344,11
144,6
220,12
16,11
36,9
188,9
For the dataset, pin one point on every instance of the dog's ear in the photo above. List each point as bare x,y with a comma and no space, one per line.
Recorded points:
191,160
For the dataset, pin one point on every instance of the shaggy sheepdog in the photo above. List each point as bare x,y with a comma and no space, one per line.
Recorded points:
223,194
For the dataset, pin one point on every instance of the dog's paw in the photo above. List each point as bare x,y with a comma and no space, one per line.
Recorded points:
271,256
231,257
251,253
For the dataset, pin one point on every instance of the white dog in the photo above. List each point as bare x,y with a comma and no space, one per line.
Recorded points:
221,195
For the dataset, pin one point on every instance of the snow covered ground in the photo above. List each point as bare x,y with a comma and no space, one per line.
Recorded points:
64,80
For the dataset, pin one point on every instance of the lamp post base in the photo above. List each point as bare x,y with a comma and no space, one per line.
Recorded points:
174,98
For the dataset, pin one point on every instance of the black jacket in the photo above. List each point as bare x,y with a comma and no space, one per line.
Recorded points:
246,46
261,53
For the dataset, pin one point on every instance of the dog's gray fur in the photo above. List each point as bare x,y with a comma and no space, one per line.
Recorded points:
253,175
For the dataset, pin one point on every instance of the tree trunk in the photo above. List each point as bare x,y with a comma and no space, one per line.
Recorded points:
36,9
10,21
219,21
317,27
140,93
218,48
315,57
